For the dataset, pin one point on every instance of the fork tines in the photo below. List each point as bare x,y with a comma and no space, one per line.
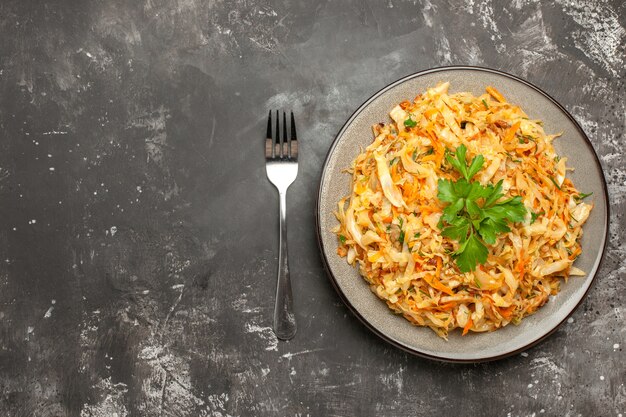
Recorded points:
279,146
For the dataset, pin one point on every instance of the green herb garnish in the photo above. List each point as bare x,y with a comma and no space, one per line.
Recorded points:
474,215
477,282
485,103
342,238
410,122
555,183
581,196
533,216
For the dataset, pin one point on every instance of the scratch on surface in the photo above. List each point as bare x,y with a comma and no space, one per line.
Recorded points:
163,391
212,134
349,384
266,333
241,304
54,132
546,364
180,287
290,355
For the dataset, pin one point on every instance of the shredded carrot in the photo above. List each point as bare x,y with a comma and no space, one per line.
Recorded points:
507,312
510,134
429,113
495,94
436,284
467,326
520,263
447,306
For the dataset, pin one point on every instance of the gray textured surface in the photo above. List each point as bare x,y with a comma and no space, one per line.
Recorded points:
138,275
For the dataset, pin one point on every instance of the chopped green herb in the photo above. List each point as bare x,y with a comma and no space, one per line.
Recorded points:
485,103
342,238
512,159
581,196
415,154
430,151
477,282
401,238
533,216
410,122
416,235
393,161
557,158
471,224
555,184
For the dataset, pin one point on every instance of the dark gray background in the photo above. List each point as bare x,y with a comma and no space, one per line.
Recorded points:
138,233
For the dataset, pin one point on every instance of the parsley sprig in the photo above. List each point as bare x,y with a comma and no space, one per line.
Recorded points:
474,215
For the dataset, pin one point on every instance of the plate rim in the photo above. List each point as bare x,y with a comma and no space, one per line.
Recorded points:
318,230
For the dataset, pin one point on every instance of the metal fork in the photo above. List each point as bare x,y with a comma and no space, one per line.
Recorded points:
281,164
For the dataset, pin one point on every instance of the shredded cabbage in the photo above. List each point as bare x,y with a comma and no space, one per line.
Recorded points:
389,223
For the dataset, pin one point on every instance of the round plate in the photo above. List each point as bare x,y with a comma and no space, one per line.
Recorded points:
373,312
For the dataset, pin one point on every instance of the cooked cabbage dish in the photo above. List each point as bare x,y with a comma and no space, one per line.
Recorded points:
460,213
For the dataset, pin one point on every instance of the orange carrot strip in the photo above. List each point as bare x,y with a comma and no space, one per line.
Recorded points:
510,134
495,94
521,267
436,284
430,112
447,306
468,325
506,312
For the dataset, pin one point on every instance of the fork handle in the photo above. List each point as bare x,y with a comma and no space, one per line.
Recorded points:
284,318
